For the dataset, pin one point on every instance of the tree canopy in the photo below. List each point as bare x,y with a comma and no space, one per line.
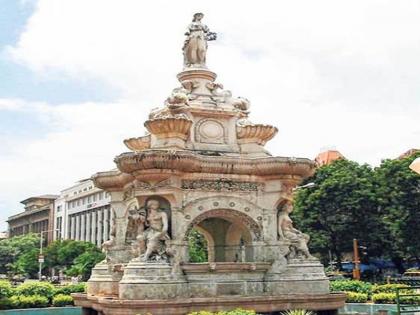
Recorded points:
380,207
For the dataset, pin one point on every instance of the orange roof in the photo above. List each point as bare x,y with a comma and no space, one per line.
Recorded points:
327,157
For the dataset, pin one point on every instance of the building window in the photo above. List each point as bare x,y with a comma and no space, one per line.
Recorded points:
78,202
89,199
94,197
58,208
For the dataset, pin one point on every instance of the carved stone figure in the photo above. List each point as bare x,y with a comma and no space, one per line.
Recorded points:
107,245
195,46
299,241
152,241
135,224
241,103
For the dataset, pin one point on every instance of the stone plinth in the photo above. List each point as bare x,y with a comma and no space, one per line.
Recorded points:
216,279
104,280
151,281
182,306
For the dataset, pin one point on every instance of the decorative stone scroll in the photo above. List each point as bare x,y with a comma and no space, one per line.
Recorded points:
220,185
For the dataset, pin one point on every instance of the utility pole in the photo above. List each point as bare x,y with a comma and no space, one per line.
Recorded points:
356,269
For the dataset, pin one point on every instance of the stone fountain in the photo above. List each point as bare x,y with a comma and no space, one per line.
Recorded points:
203,166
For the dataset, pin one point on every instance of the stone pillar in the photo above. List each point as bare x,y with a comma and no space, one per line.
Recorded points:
83,226
93,230
105,223
73,228
99,226
88,227
77,237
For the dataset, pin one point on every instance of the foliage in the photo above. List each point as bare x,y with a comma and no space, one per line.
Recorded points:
399,199
197,245
62,300
340,207
22,301
61,254
70,288
384,298
85,262
6,289
27,263
351,286
44,289
356,297
237,311
11,249
298,312
389,288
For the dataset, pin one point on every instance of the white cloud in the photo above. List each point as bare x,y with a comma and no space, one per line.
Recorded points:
325,72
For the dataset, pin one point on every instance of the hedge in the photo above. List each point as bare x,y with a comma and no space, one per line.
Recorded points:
351,286
70,288
62,300
21,301
44,289
6,289
237,311
391,298
356,297
388,288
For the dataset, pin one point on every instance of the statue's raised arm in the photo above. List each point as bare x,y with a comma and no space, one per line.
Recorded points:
195,45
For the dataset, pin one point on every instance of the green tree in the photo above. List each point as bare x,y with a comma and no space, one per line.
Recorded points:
84,263
12,248
197,245
27,263
76,258
340,207
399,200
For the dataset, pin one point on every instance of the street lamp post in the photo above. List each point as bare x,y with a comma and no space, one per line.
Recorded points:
41,257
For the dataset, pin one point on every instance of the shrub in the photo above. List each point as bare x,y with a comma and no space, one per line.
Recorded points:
389,288
237,311
351,286
6,289
43,289
70,288
34,301
298,312
62,300
356,297
384,298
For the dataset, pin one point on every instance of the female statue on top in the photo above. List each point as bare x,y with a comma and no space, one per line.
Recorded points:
195,45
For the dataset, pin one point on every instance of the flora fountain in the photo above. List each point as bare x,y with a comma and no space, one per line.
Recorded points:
203,166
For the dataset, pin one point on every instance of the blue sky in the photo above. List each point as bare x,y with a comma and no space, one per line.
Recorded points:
77,77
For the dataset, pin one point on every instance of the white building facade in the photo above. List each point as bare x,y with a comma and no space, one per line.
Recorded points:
83,213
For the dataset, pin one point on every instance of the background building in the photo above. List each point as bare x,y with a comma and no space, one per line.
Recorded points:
37,217
328,155
83,213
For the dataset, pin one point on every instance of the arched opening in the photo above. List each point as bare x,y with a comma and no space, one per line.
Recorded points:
228,236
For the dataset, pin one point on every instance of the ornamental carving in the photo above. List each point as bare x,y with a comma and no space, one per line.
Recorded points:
138,144
220,185
210,131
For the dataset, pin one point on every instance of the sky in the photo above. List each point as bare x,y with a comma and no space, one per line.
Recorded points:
79,76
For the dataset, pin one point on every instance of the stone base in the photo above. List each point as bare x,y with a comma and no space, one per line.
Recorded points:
151,281
305,277
181,306
104,280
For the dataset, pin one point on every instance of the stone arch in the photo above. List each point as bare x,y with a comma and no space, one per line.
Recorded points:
231,208
230,215
210,242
